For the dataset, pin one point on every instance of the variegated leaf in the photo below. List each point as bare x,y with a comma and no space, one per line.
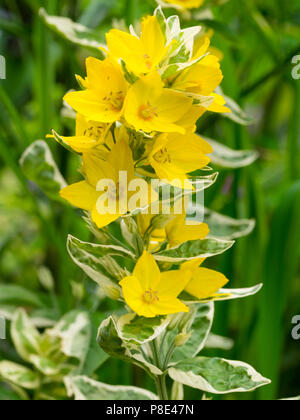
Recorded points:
202,248
75,32
223,295
139,330
25,336
225,227
199,330
38,165
217,376
19,375
74,331
109,339
228,158
86,389
97,262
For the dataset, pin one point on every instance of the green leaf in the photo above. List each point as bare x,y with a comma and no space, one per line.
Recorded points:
7,394
19,375
139,330
86,389
227,158
77,33
174,193
97,262
25,336
202,248
45,365
218,342
109,339
217,376
223,294
74,331
96,12
199,329
39,166
237,115
18,295
131,234
225,227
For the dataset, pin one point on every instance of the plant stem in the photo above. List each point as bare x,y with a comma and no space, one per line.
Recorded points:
160,381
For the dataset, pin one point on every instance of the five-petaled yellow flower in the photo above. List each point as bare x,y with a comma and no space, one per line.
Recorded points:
184,4
202,78
150,293
204,283
174,156
88,196
141,55
176,232
104,96
89,134
150,107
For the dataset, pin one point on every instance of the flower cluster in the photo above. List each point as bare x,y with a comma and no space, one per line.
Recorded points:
136,116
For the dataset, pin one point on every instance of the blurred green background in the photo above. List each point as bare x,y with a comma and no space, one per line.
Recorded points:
258,39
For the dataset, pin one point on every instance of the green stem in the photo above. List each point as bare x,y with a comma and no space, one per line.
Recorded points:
160,380
168,356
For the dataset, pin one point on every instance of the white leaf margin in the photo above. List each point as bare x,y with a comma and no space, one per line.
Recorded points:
198,382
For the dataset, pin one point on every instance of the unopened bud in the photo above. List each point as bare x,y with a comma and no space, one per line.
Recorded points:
175,319
77,290
112,292
46,278
185,321
181,339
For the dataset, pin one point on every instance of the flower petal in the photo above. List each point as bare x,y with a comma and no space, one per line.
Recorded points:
147,271
81,195
205,283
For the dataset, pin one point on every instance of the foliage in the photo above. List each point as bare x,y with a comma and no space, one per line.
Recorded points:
54,309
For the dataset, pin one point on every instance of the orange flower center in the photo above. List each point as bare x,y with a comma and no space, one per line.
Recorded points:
147,112
162,156
150,297
148,61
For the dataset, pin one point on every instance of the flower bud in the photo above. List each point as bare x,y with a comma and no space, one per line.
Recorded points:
46,278
112,292
174,321
182,338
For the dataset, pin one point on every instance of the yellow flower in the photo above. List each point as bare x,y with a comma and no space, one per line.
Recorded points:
151,107
202,78
179,231
185,4
150,293
89,134
143,54
174,155
204,283
103,100
176,232
87,195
